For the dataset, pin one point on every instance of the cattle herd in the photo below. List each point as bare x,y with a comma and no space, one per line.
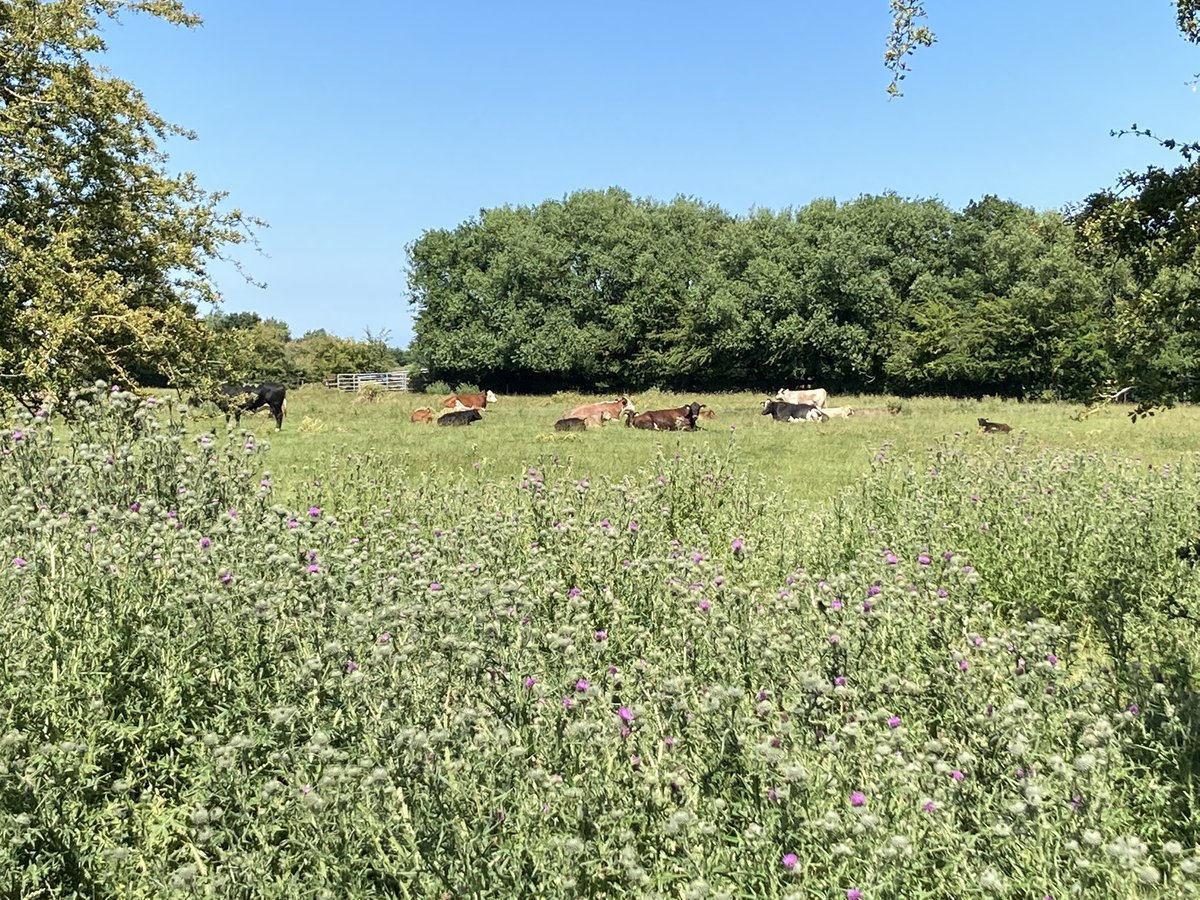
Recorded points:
788,406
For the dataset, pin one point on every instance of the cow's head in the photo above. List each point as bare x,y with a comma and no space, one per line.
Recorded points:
768,407
626,404
491,398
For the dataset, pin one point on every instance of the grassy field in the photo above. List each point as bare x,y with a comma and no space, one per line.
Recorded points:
804,463
502,662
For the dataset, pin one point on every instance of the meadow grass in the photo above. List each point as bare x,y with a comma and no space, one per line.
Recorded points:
804,464
652,667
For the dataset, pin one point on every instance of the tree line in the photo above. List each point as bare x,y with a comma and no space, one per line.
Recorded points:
606,292
105,257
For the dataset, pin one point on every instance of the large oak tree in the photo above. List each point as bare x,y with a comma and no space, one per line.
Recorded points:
104,253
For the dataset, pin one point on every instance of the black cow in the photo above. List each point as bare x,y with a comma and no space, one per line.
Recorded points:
993,427
460,417
241,398
793,412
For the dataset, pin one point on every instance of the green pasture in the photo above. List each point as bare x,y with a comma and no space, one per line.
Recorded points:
884,657
804,463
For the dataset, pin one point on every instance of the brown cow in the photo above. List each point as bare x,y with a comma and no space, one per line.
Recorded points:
469,401
424,414
682,418
598,413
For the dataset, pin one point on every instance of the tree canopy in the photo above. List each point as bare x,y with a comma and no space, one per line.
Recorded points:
604,291
104,254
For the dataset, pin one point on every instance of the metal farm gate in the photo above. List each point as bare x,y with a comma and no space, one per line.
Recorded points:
352,381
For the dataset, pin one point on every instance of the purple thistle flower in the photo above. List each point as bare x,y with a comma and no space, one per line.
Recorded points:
957,775
292,523
225,578
567,702
135,506
625,713
840,681
854,894
601,635
313,568
19,562
582,685
737,545
314,512
894,722
789,861
351,666
874,590
573,593
1134,709
705,606
385,637
924,559
633,525
963,665
530,681
858,798
435,586
929,806
1052,659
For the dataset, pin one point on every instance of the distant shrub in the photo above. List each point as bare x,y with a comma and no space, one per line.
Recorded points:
370,392
467,389
439,388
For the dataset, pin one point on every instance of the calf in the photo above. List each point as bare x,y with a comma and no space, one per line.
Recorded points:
792,412
460,417
682,418
423,415
599,413
817,397
994,427
571,423
837,412
239,398
469,401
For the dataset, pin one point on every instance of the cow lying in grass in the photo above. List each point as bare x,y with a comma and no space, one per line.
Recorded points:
460,417
681,418
792,412
571,423
469,401
994,427
599,413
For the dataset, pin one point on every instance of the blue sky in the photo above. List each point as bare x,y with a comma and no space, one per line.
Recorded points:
353,128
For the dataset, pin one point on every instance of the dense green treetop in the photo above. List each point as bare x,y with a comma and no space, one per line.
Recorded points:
104,254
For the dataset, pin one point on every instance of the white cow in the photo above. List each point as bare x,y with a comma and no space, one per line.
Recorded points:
818,397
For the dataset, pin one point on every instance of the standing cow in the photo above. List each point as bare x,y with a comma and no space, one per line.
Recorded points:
239,398
817,397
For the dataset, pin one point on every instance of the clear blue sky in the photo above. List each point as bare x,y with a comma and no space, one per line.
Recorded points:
354,127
